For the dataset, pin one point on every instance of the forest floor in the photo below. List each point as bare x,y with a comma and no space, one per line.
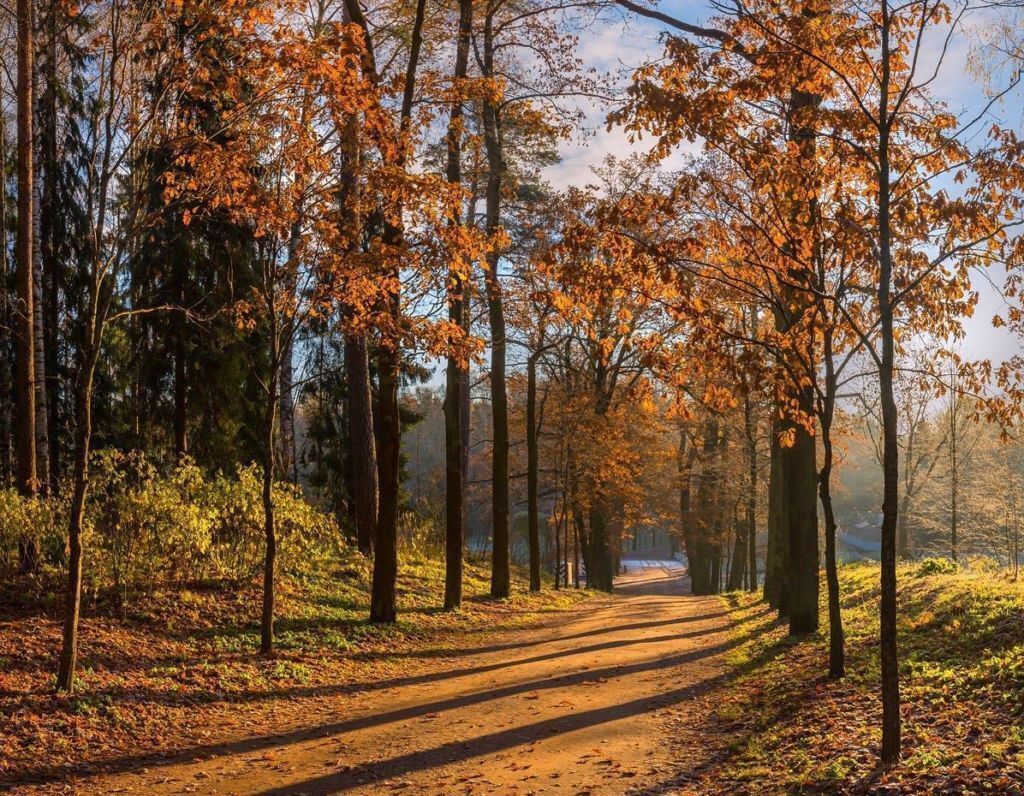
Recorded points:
646,692
580,701
792,730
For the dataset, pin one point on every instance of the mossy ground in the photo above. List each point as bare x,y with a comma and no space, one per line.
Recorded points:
790,729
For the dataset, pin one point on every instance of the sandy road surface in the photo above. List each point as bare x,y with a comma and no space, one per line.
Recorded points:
586,707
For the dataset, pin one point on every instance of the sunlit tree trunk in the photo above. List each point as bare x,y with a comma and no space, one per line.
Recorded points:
362,442
389,358
500,575
776,580
25,404
836,651
269,509
6,374
532,471
455,461
891,724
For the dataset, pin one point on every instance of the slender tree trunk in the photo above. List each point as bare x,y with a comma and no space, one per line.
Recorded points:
891,724
361,466
76,521
954,483
269,520
455,477
42,427
50,265
42,421
500,577
385,559
836,652
6,386
362,442
25,403
576,533
776,582
902,532
532,471
751,515
600,569
738,560
289,453
389,358
800,461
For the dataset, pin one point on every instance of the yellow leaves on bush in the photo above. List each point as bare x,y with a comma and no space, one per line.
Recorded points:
144,527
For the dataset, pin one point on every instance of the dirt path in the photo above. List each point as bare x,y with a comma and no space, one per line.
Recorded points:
587,707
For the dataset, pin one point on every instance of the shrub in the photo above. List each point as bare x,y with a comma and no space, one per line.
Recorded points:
937,566
28,521
144,528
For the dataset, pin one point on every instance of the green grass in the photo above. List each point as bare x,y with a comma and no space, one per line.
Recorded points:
961,640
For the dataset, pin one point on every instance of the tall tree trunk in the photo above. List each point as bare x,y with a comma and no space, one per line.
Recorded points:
738,560
362,442
80,491
455,477
532,471
289,454
750,430
6,386
269,519
385,558
600,568
776,581
48,234
361,462
42,421
836,653
42,428
25,422
954,482
800,462
891,725
500,576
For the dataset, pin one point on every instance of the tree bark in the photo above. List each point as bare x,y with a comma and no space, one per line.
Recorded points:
362,442
25,405
385,561
776,580
891,724
500,576
532,471
42,421
269,520
50,264
750,427
801,482
6,386
455,476
83,449
836,652
385,558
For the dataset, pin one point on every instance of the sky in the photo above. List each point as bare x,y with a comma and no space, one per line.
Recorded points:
618,45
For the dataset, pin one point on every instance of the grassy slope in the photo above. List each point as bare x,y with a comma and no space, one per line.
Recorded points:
790,730
177,669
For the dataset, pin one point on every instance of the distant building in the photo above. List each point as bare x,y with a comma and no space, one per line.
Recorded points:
859,537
